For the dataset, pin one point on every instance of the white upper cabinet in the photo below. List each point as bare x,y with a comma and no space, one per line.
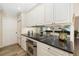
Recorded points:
35,16
62,12
39,15
48,12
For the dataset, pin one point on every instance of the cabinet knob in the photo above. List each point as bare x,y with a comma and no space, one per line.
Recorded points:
48,48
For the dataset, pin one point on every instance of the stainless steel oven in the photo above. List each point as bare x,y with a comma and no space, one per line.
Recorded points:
31,48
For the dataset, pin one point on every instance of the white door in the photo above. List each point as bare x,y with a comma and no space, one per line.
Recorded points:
9,31
19,31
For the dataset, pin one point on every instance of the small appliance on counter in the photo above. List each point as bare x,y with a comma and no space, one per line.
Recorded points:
30,33
48,31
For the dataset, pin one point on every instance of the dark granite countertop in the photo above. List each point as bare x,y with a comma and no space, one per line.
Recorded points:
53,41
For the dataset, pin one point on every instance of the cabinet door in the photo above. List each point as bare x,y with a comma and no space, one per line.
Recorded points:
61,12
38,15
48,12
24,20
35,16
23,42
58,52
42,49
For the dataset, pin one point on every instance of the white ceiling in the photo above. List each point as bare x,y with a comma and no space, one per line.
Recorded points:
14,8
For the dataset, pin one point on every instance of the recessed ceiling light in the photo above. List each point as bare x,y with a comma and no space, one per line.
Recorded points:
19,8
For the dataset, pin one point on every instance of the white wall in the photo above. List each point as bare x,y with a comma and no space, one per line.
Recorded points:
9,30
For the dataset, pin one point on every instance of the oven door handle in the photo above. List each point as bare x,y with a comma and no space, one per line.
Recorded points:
34,46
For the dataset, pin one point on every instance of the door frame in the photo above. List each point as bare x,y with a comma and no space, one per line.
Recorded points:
19,21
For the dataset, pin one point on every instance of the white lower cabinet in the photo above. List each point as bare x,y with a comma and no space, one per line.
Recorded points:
46,50
23,43
42,50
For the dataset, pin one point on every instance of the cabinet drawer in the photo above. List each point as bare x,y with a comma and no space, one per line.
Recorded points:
43,50
46,53
43,46
53,50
